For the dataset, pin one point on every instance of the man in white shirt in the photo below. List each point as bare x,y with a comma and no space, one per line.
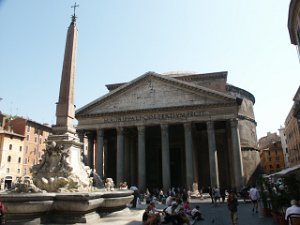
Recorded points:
169,200
293,209
254,196
170,215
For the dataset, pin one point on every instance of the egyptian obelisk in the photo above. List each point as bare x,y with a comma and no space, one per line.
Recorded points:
61,168
65,110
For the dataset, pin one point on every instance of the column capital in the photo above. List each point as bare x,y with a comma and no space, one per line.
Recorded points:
234,123
164,128
141,130
100,132
120,130
210,124
187,126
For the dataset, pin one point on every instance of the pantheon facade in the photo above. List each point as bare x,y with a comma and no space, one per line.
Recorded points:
172,130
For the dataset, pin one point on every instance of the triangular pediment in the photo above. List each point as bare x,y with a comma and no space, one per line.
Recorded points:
154,91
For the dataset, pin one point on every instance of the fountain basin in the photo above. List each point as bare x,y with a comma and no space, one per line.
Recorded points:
62,208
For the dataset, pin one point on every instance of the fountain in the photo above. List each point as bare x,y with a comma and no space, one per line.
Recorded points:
60,191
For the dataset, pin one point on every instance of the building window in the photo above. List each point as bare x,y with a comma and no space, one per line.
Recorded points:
35,139
20,148
19,171
41,140
27,137
277,166
28,128
10,146
7,170
19,160
270,159
25,161
286,150
271,167
9,158
25,171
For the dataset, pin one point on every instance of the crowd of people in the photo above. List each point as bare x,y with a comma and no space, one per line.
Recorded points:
178,211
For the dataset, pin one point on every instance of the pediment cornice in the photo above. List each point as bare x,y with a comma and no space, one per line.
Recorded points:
152,75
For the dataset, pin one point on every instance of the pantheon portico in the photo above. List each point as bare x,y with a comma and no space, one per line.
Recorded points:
171,130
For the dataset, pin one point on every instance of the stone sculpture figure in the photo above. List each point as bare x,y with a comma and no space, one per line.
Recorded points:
195,192
54,173
26,186
109,184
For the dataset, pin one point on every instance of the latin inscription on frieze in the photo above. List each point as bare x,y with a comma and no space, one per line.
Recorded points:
156,116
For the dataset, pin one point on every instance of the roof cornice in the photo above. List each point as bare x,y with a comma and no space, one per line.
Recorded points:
292,17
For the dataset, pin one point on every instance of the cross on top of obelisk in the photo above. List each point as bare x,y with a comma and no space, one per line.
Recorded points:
74,15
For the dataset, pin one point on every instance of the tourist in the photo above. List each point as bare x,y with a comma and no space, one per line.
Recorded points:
169,200
170,214
161,196
181,216
211,194
232,204
186,207
293,209
123,185
148,196
2,210
216,195
254,196
136,196
151,216
223,194
196,214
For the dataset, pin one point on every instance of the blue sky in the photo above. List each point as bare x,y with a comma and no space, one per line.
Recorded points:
120,40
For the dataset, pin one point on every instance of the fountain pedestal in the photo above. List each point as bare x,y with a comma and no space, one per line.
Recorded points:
62,208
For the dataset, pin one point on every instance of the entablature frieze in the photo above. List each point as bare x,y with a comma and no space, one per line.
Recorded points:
154,117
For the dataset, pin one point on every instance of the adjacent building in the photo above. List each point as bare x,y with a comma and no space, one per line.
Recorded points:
293,138
11,152
171,130
284,146
271,154
294,23
34,142
292,122
22,142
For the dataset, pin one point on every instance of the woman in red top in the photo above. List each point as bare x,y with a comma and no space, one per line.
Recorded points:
2,210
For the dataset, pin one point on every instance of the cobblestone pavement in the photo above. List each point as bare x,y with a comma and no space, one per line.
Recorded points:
214,215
